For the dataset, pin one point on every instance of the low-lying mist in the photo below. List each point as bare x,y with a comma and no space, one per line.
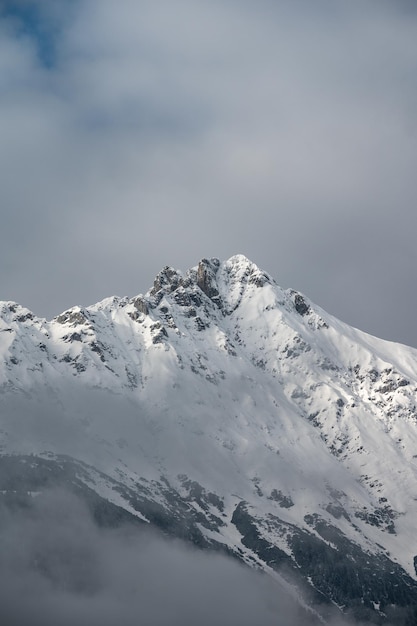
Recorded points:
59,568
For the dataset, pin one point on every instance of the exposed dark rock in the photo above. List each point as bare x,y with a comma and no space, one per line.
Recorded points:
197,493
300,304
187,297
327,365
392,385
25,317
182,297
200,325
252,539
72,317
135,316
141,305
337,567
167,280
98,348
21,475
80,367
72,337
313,418
256,481
347,574
159,333
67,358
337,511
297,347
259,278
403,382
373,375
206,279
189,280
195,298
284,501
381,518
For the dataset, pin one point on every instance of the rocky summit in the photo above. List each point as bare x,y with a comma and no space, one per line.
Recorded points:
233,414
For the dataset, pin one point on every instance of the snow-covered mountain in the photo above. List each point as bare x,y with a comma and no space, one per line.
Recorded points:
234,414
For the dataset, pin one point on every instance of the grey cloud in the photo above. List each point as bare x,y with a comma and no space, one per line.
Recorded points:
57,567
165,133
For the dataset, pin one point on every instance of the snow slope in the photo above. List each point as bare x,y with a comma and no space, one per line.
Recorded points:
256,411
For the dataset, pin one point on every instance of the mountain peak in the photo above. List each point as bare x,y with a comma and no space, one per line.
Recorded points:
247,411
167,279
214,278
240,259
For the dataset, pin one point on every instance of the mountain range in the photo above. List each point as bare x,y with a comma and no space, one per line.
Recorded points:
225,411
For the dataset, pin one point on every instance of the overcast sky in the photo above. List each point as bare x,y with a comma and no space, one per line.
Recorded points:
142,133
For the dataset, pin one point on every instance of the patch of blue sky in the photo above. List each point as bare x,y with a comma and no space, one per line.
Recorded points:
30,19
